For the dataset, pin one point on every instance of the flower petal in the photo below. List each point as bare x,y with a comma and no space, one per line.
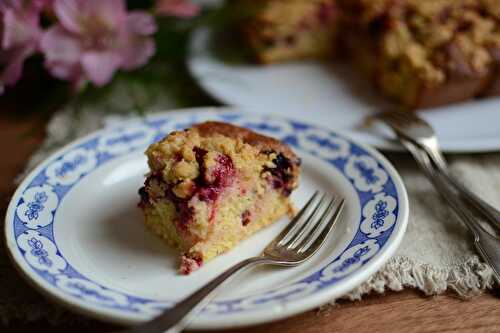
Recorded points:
100,66
40,4
13,70
59,45
140,23
69,14
11,4
137,53
111,13
62,52
80,16
20,28
64,71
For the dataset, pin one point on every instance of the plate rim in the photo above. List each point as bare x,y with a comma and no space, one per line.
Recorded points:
470,146
237,319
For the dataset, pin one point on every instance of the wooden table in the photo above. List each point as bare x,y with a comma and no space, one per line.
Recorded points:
407,311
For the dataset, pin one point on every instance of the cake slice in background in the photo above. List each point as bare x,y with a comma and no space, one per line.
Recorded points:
491,9
418,53
280,30
423,53
213,185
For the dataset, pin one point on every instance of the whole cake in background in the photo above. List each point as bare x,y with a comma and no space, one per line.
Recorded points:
418,53
213,185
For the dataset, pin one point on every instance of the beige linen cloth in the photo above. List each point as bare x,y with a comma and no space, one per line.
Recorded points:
436,254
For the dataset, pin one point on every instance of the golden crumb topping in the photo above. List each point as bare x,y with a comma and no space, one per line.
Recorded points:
439,38
183,156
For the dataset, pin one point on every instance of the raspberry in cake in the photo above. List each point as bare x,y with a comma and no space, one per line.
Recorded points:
213,185
279,30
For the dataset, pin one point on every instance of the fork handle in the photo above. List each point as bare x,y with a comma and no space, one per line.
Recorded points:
175,319
487,245
490,213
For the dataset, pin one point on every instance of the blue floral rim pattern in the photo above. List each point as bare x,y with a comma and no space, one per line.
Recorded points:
32,222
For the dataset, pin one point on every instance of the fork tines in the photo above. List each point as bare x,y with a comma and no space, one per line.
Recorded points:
312,224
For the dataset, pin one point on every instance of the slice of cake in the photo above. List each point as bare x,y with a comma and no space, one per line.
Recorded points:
279,30
213,185
424,53
419,53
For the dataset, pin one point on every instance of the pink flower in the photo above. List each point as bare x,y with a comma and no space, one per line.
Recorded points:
94,38
19,36
178,8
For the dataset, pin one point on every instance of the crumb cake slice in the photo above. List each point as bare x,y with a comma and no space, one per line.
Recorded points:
279,30
213,185
418,53
425,53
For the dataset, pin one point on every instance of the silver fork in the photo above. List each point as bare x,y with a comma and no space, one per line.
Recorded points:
413,128
487,244
298,242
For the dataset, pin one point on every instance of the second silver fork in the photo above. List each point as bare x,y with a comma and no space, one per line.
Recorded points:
487,244
411,127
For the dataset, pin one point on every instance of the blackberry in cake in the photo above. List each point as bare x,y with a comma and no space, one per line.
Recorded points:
279,30
213,185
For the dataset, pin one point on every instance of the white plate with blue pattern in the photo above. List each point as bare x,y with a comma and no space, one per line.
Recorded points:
74,230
